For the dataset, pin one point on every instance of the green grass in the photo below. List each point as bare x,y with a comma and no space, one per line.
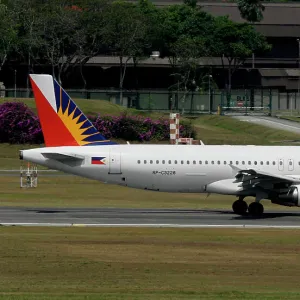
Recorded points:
89,107
72,191
136,263
291,118
225,130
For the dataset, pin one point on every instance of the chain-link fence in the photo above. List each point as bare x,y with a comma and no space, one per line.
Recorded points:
249,101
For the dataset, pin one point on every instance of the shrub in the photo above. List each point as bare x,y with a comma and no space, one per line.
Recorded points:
18,124
137,128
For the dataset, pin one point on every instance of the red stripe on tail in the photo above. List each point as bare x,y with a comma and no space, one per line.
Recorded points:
54,131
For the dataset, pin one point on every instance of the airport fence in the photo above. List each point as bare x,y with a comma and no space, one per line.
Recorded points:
240,101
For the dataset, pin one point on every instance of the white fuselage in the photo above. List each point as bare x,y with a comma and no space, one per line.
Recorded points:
171,168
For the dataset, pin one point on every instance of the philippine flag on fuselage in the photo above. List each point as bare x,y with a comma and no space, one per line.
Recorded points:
98,160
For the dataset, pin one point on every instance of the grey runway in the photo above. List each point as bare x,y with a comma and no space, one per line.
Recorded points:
111,217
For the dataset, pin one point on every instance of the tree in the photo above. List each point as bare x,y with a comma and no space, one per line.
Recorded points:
188,52
25,14
150,40
62,35
91,21
185,37
183,20
8,34
124,33
251,10
234,42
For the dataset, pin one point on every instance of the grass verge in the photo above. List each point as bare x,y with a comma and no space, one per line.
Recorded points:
144,263
215,129
72,191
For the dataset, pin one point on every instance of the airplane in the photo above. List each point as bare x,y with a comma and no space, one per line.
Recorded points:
73,145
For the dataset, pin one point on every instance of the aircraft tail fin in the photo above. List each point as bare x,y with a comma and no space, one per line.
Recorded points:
63,123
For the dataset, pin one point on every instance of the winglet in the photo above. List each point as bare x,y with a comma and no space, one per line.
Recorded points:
63,123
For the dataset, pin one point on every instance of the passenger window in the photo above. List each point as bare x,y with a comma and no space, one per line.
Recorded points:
281,163
151,161
206,162
274,163
231,162
200,162
212,162
243,162
267,162
225,162
194,162
157,162
145,161
139,161
255,162
175,162
249,162
261,162
188,162
182,162
237,162
219,162
290,163
163,162
170,162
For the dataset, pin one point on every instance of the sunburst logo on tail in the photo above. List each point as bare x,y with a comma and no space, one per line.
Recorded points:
77,123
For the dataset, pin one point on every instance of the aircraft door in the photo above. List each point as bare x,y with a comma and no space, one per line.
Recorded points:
291,165
280,164
114,163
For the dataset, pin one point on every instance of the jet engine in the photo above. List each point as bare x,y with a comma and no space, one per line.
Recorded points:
291,198
225,187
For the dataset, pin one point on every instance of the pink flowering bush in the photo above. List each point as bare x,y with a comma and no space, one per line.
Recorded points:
18,124
137,128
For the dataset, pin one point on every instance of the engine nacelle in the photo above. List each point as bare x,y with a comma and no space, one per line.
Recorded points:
225,187
291,198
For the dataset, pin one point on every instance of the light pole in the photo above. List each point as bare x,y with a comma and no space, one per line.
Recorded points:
209,93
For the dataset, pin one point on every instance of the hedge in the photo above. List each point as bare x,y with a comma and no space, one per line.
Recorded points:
19,125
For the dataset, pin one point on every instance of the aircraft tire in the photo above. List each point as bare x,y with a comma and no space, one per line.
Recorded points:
240,207
256,209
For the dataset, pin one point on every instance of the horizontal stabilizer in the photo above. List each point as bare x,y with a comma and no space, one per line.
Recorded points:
63,157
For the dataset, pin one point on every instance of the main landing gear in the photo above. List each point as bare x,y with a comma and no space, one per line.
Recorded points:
240,207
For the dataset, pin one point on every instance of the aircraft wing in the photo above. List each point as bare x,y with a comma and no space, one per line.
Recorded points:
254,178
62,157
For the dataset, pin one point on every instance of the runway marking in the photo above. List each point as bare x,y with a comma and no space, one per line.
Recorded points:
248,226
